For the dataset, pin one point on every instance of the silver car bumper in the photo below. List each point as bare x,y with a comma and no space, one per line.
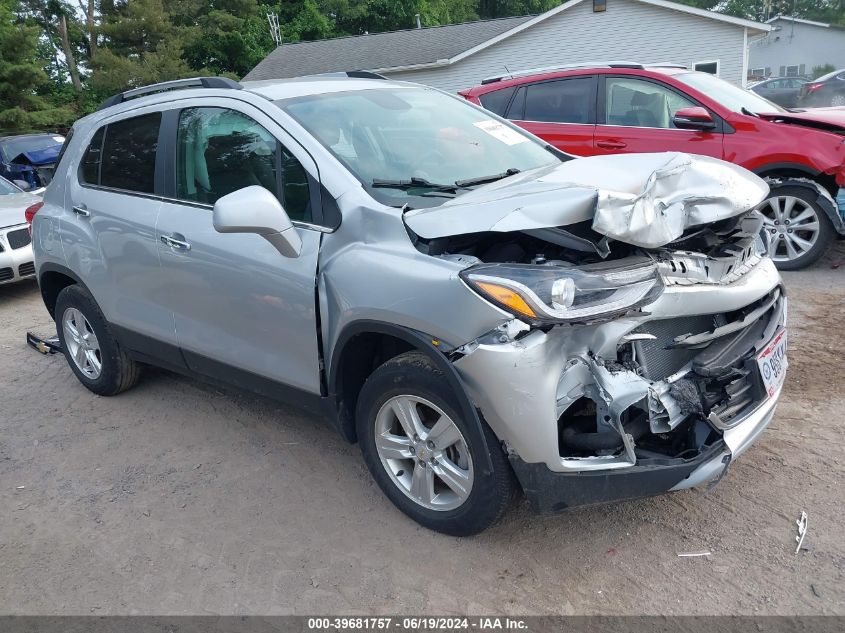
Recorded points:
16,260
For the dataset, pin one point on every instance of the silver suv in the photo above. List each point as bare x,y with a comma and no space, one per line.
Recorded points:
480,312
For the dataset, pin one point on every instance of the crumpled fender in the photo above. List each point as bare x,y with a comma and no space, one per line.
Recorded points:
647,200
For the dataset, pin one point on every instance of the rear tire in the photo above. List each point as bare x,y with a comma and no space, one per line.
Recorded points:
91,350
797,228
438,479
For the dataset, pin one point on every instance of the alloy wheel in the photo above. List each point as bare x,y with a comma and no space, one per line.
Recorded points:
792,226
837,100
424,452
82,343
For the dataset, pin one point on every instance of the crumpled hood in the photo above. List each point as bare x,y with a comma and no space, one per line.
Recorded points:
12,207
830,119
39,157
647,200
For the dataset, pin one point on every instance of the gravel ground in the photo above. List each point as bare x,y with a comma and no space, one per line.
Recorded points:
179,498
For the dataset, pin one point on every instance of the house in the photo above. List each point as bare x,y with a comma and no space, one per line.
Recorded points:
794,47
578,31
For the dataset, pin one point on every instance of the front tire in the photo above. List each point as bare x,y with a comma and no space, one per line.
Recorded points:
424,456
92,352
798,230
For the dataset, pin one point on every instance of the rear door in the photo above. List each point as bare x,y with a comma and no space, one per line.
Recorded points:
238,303
635,115
560,111
108,233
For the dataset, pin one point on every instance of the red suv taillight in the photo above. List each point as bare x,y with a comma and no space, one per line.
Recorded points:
29,214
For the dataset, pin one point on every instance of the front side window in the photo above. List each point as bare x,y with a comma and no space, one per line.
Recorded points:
129,154
638,103
392,138
219,151
563,101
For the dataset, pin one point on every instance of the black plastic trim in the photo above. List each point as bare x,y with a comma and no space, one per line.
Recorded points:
549,491
419,341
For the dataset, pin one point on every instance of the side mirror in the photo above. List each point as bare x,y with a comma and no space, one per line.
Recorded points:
255,210
22,184
696,118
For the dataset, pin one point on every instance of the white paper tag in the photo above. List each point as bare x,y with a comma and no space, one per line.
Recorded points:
59,139
501,132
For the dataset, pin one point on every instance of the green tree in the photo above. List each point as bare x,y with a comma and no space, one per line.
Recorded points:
22,77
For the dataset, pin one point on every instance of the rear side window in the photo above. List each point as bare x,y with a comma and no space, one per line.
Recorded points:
89,168
562,101
129,154
498,100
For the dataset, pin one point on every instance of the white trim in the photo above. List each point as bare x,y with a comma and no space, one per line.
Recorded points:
744,75
798,20
682,8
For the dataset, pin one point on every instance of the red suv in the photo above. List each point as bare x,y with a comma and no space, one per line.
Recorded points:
633,108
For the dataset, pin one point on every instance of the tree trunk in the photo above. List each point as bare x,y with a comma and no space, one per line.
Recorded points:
68,53
88,10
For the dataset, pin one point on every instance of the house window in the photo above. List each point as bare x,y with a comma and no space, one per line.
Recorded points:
792,71
754,73
711,67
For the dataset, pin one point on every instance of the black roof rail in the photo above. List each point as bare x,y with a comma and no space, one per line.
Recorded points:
353,74
549,69
177,84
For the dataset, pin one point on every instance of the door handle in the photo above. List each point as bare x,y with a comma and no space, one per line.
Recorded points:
611,144
178,245
81,211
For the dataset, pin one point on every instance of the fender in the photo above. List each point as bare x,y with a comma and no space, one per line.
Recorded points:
422,343
823,198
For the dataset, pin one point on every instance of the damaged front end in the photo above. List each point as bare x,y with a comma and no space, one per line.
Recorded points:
629,368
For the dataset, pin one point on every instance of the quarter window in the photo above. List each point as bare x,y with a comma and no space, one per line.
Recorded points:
563,101
219,151
497,101
637,103
89,169
129,154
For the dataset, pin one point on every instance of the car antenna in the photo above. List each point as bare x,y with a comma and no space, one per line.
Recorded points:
510,74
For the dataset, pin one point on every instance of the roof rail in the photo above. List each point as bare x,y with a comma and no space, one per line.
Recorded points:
352,74
177,84
550,69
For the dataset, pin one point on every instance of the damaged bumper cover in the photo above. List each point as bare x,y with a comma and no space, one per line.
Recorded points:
649,402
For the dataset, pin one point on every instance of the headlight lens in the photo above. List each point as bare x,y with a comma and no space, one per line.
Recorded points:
555,293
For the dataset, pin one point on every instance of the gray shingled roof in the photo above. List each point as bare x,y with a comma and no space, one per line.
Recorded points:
379,50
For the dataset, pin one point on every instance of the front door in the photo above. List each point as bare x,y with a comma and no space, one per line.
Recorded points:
635,116
237,302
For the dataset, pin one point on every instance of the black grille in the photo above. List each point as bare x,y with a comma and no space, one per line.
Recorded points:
658,362
26,269
19,238
6,274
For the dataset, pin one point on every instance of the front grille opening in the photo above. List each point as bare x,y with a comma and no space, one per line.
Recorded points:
686,441
26,269
6,274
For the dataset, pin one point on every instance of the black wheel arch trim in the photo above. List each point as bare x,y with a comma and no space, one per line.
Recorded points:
421,342
822,199
50,267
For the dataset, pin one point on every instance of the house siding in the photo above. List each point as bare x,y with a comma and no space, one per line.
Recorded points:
628,30
796,44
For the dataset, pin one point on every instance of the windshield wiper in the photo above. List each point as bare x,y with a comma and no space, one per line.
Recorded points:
415,183
483,180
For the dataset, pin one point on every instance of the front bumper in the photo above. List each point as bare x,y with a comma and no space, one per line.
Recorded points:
16,259
527,387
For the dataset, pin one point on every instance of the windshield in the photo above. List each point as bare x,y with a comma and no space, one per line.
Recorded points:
727,94
13,147
416,143
7,188
829,76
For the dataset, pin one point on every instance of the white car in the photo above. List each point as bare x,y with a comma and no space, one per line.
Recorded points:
15,243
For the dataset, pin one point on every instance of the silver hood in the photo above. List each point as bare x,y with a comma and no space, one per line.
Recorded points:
12,207
647,200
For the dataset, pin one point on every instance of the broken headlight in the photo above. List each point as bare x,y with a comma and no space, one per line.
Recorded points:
544,294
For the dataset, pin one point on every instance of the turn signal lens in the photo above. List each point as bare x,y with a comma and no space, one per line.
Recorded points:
506,297
29,214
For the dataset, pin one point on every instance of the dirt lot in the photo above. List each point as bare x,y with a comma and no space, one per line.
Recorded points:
178,498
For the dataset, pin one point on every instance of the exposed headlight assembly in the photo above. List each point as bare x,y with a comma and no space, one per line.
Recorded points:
545,294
